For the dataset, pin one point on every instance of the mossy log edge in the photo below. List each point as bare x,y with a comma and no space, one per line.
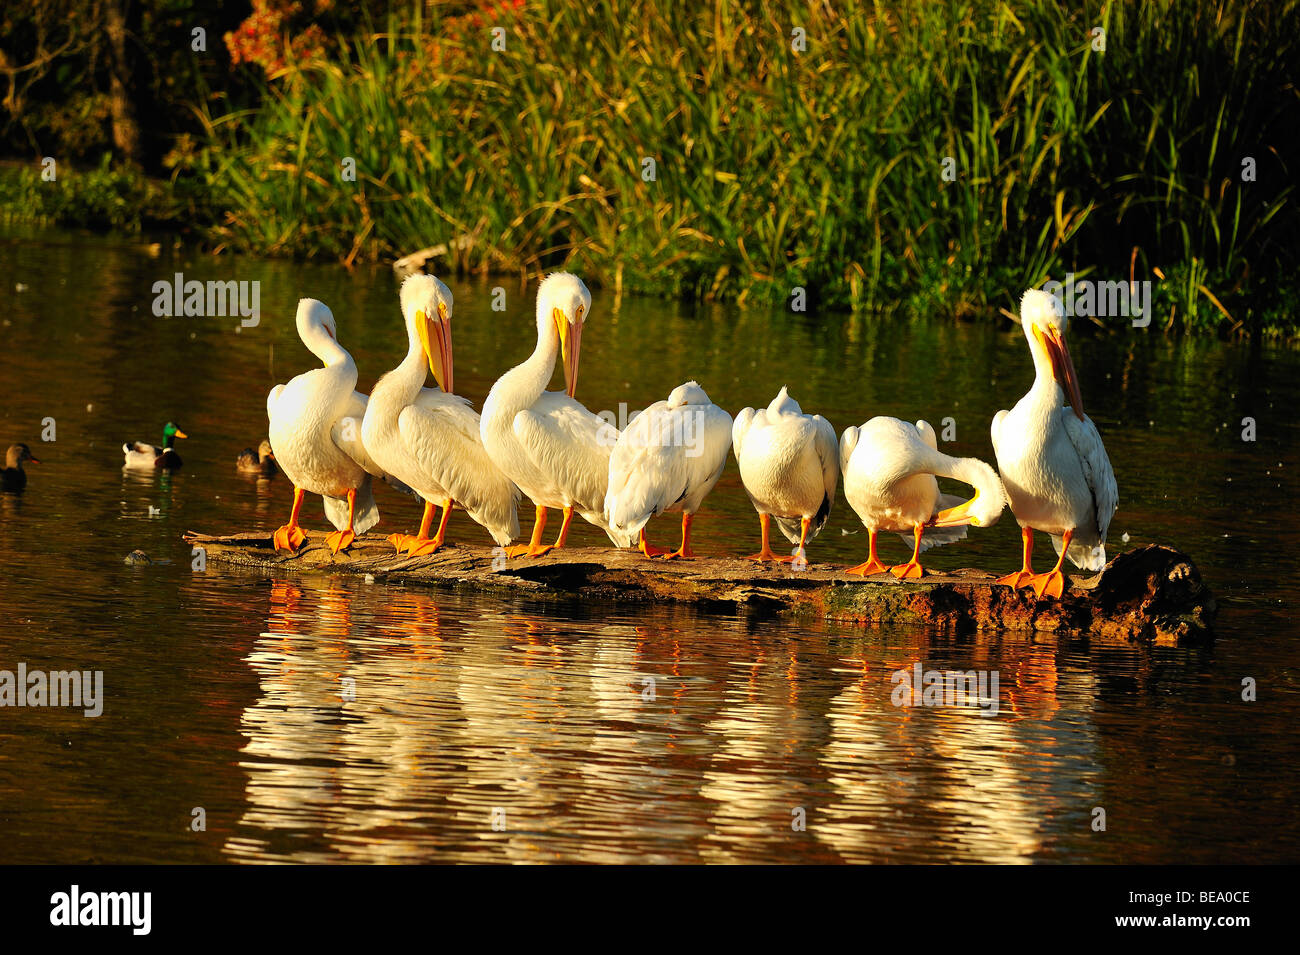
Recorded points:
1148,594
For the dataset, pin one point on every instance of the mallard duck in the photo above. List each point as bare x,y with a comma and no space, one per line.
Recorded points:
260,462
13,477
145,457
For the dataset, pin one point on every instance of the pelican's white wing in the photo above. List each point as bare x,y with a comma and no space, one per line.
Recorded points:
712,439
1100,478
645,477
345,432
995,429
748,420
571,446
848,444
272,397
442,432
828,450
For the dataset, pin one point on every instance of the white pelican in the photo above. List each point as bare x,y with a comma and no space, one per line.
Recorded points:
545,441
428,438
789,464
316,432
667,459
889,480
1053,464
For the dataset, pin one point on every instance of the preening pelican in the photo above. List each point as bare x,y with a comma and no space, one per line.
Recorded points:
789,464
1053,464
889,480
545,441
139,456
667,459
316,432
428,438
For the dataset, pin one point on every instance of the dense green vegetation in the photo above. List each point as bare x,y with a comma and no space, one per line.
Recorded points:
775,168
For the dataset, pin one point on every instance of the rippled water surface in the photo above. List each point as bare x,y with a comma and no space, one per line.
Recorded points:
224,689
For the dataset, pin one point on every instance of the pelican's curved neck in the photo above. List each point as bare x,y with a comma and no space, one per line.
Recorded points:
400,386
414,367
321,344
1045,392
525,383
966,470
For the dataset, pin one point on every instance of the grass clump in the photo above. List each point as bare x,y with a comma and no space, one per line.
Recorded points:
931,156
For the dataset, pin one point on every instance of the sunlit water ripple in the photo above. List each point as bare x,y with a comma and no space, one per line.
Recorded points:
325,719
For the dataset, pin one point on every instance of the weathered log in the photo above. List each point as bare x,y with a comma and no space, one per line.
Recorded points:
1152,593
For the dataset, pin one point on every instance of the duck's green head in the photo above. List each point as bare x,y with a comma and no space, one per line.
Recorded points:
170,431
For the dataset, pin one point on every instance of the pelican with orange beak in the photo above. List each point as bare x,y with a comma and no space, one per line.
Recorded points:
315,429
553,448
428,438
1054,467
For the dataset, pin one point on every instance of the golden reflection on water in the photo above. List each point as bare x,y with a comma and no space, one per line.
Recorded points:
395,726
231,685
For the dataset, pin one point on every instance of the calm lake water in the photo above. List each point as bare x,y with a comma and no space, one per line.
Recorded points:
223,689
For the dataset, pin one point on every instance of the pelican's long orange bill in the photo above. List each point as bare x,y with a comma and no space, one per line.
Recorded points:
435,334
570,345
1063,370
959,515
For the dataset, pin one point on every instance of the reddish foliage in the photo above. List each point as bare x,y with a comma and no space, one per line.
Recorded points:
264,37
277,25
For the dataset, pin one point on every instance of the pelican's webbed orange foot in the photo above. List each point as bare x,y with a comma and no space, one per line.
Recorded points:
422,548
912,570
867,569
1025,575
1021,578
529,550
1050,584
909,571
399,541
340,540
644,545
422,544
289,537
684,551
534,547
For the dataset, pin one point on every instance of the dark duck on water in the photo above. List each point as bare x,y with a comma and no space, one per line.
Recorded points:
13,477
260,462
147,457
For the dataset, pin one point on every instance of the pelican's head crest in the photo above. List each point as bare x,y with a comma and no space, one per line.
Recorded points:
565,292
783,403
427,294
689,393
1042,309
313,314
564,303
